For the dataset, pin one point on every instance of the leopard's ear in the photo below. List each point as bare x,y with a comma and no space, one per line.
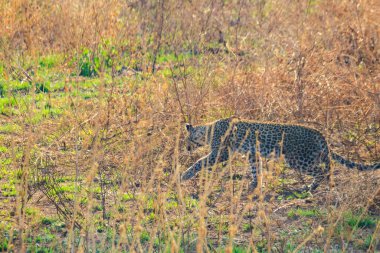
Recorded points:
188,127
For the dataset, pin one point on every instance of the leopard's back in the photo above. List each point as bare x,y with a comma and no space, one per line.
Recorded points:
303,148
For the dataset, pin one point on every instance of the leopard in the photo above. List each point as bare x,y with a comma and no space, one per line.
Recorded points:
303,148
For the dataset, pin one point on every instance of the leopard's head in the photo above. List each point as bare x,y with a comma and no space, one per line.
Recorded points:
196,137
232,137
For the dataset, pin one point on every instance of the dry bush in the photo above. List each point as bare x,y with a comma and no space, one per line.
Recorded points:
108,166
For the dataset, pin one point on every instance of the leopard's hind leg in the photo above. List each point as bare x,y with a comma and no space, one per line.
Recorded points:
320,173
253,167
316,182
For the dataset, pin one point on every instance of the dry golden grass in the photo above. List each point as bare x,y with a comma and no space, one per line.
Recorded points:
92,164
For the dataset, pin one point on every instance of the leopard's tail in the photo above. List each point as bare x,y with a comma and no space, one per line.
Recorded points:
351,165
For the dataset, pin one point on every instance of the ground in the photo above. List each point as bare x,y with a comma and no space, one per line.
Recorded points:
94,97
64,156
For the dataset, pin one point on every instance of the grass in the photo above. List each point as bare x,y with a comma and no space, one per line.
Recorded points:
94,98
357,221
127,197
3,149
8,190
50,61
308,213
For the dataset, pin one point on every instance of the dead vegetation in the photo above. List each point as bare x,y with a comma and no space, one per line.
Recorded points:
94,95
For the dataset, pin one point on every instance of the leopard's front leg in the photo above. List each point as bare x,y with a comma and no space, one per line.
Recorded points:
206,162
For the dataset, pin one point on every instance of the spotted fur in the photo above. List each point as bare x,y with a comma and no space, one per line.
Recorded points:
303,148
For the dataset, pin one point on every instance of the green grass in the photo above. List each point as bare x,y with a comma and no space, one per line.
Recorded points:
354,220
309,213
4,171
50,61
191,202
3,149
68,187
127,197
145,236
63,179
7,102
31,211
45,238
44,113
247,227
364,245
172,58
8,190
3,245
42,87
220,223
47,221
237,249
3,90
294,195
171,204
13,87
